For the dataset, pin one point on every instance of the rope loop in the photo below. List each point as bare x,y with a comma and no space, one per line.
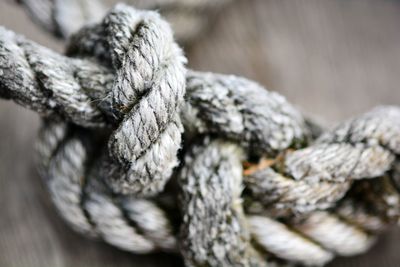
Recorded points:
147,91
148,156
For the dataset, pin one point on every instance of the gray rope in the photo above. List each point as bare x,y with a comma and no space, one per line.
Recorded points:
112,136
76,97
221,239
113,221
62,18
317,176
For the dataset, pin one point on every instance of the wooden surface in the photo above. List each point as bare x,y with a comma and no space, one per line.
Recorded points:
331,58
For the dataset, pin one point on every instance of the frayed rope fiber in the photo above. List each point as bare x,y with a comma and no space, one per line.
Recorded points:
139,151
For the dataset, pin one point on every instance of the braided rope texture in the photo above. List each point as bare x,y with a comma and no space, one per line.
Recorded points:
142,153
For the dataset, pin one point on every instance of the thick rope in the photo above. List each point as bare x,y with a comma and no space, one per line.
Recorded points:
317,176
112,135
62,18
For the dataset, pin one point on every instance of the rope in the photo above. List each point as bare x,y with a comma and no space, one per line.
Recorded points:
62,18
127,129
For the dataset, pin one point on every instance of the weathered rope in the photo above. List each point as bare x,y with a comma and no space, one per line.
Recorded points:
115,111
63,18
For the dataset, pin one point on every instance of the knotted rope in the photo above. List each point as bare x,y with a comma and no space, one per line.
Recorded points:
126,129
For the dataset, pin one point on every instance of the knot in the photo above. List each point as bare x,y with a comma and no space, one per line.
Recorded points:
116,114
302,183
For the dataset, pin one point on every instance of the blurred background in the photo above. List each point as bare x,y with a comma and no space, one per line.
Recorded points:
333,59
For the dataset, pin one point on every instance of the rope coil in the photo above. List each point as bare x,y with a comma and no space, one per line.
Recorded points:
127,128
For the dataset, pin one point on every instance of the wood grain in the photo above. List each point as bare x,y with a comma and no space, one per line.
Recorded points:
331,58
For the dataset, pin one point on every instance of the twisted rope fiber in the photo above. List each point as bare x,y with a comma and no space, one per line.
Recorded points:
115,109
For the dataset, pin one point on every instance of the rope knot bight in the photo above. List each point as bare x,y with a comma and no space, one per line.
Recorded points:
146,93
126,129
